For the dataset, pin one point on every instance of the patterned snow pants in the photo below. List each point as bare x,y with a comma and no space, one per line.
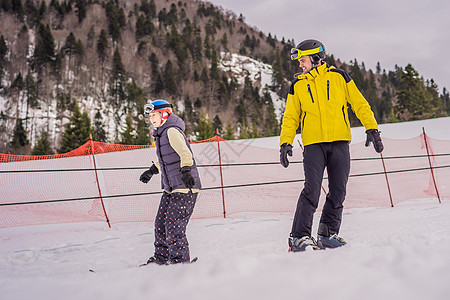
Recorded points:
173,216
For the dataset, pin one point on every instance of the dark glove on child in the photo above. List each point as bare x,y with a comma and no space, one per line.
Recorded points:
373,136
285,150
147,175
187,178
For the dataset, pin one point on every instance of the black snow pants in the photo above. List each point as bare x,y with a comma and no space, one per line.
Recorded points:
335,156
173,216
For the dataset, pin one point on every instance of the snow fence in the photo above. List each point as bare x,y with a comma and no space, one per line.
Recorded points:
100,182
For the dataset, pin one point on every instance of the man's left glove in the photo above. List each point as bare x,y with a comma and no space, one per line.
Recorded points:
187,178
285,150
147,175
373,136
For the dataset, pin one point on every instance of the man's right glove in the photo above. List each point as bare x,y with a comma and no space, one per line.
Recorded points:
373,136
147,175
285,150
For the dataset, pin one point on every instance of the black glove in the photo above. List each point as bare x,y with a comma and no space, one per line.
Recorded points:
373,136
147,175
285,150
187,178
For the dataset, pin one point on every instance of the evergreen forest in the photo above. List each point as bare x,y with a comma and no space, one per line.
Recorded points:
72,68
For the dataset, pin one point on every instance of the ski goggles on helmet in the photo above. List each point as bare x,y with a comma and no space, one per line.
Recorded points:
150,107
297,53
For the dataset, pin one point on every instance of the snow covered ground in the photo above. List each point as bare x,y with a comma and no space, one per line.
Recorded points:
392,253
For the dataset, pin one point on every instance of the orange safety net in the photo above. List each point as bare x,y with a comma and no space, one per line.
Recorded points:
85,149
245,178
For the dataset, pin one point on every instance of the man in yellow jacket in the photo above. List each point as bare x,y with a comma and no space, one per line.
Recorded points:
318,102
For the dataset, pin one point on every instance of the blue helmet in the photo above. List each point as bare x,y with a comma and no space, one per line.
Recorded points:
162,106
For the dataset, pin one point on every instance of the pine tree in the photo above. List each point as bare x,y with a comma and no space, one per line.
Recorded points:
18,82
170,83
197,47
31,93
187,36
90,37
152,12
140,27
69,46
81,9
42,146
436,101
172,15
271,126
174,43
2,73
245,133
3,48
149,27
446,99
229,132
42,10
128,135
45,48
217,123
413,101
159,84
224,41
6,5
204,130
112,14
214,72
19,138
79,49
154,63
102,48
145,7
357,76
17,8
118,76
77,131
99,131
143,134
207,47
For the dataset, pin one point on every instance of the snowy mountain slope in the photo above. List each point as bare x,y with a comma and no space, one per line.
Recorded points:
392,253
260,73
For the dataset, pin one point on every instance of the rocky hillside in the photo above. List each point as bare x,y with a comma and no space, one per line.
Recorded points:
105,59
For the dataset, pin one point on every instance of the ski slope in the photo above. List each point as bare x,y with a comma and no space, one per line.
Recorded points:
392,253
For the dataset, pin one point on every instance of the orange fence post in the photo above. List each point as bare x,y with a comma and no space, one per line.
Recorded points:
221,175
387,180
429,161
96,178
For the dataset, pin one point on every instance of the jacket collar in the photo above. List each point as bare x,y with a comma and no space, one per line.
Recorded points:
317,71
172,121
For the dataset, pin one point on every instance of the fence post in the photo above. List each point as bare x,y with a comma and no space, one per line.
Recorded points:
429,162
387,180
221,175
96,179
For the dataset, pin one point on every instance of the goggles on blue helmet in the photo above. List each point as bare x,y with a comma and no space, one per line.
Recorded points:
156,105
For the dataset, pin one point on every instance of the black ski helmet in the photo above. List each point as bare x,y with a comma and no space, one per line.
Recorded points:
313,48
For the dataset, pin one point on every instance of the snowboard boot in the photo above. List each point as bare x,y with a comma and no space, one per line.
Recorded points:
301,244
156,260
328,239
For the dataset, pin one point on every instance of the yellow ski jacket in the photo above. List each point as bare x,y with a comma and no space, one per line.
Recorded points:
318,102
